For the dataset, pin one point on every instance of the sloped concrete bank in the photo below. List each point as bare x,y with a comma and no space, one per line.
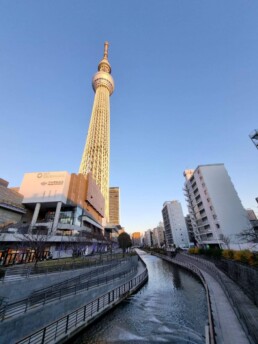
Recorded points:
233,318
142,272
58,321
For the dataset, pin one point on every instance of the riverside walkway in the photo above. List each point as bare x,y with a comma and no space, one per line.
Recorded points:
235,316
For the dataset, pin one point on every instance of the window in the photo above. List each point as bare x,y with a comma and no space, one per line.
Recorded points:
208,200
217,225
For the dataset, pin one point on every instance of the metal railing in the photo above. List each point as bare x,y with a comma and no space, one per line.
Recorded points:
40,299
82,277
22,272
59,329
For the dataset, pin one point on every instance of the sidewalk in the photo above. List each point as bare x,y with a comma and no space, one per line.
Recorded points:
229,328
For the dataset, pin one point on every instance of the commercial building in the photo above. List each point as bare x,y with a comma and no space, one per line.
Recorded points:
96,154
114,202
11,208
214,206
175,226
63,202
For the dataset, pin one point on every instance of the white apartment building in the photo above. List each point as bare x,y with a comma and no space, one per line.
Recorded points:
214,206
158,236
148,238
174,222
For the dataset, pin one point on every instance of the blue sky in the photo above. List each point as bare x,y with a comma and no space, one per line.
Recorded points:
186,78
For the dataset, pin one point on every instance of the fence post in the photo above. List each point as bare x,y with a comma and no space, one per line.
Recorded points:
43,336
67,324
84,314
26,307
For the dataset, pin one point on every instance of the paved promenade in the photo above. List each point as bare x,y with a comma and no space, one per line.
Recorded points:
229,328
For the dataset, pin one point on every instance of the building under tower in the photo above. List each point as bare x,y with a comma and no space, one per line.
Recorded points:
114,217
96,154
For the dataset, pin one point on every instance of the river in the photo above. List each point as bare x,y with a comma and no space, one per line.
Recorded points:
170,308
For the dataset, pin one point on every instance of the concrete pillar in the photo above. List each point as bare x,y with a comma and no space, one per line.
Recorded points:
56,219
35,215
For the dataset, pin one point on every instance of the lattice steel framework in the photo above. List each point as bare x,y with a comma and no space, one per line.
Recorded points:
96,153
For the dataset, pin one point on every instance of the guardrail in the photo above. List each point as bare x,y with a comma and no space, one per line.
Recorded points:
197,272
27,271
40,299
77,319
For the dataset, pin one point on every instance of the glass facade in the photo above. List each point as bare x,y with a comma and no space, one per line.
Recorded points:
71,217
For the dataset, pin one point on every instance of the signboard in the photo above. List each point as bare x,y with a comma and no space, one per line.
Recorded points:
45,187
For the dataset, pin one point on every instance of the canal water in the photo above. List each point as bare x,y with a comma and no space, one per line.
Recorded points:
170,308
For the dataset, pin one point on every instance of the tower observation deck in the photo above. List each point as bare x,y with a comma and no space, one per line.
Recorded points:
96,154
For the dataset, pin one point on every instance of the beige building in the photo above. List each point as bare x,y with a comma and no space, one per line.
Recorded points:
63,202
114,205
136,239
158,236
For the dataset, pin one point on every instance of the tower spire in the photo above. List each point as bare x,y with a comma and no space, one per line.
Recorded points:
104,65
95,158
106,50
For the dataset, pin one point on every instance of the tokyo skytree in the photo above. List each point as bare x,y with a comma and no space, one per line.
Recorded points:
96,154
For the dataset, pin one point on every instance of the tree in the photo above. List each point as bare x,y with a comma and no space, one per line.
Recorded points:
37,241
124,241
248,235
226,240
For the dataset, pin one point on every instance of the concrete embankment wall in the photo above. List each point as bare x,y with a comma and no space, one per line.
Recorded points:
22,288
21,326
15,290
141,269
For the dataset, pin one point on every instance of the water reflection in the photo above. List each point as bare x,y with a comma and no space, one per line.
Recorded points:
170,308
